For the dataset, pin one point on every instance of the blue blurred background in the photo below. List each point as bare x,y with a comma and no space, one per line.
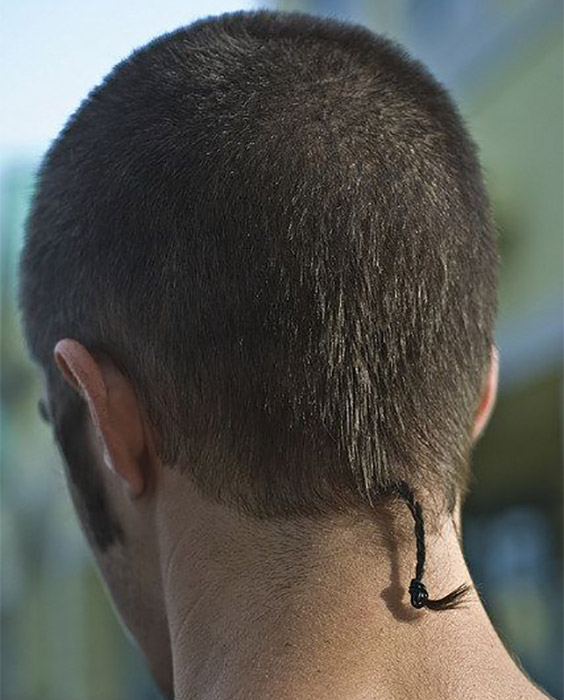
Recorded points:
502,60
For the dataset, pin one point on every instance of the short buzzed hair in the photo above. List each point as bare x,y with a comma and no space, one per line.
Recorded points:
276,226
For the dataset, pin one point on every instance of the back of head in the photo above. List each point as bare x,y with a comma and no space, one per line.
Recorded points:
276,226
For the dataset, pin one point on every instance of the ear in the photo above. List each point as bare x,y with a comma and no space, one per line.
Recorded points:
113,408
489,395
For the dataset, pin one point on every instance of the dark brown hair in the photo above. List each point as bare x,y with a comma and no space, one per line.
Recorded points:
276,225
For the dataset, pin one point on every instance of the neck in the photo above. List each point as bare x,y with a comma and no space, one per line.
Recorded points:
299,609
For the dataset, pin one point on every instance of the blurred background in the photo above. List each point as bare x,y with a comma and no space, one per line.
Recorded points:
502,60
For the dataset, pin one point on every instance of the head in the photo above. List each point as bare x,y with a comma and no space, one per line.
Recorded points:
261,255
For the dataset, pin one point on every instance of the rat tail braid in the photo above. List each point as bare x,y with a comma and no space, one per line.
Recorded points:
417,589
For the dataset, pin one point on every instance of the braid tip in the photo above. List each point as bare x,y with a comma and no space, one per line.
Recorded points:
420,597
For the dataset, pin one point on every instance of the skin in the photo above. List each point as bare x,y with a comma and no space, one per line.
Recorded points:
225,607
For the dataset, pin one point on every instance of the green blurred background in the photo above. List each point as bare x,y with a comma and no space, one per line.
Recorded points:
503,62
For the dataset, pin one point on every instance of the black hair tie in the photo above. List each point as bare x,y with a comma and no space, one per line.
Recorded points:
417,589
418,592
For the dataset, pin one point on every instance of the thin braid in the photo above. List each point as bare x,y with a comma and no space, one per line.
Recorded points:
420,539
417,589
